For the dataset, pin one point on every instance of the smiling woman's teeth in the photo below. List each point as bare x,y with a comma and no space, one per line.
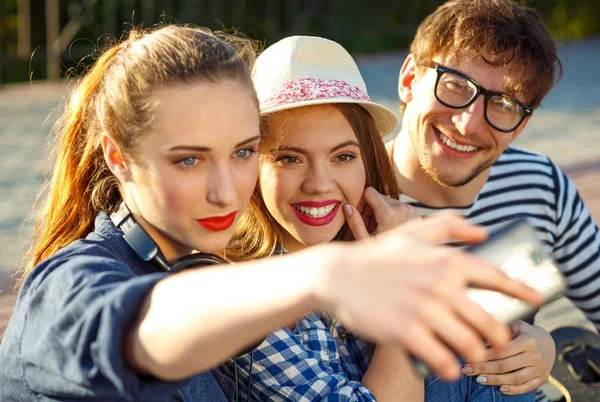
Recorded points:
315,212
454,145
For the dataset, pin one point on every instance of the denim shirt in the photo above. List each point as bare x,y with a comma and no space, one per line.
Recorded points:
64,340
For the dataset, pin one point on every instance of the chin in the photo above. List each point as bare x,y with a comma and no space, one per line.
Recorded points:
314,240
450,182
213,245
452,179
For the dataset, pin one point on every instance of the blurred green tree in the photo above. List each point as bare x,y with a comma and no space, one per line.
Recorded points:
384,26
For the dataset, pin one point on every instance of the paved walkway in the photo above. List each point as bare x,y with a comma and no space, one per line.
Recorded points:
26,115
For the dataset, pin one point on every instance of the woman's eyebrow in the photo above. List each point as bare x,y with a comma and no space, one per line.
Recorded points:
198,148
256,137
302,151
190,148
345,144
288,148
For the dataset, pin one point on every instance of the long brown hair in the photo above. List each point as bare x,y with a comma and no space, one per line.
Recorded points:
257,233
114,97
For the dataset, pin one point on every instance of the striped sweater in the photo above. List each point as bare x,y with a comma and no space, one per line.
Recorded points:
527,184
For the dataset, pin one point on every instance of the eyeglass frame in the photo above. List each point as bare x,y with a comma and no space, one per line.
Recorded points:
440,70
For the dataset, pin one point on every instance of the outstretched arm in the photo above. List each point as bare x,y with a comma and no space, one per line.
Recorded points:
196,320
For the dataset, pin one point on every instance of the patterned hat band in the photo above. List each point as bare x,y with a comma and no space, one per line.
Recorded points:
308,89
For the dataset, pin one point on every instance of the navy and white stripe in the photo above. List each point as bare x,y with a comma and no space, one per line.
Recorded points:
527,184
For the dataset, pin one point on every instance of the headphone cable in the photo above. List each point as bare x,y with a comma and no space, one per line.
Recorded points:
249,376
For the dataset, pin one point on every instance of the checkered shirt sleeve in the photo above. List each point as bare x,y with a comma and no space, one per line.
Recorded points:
312,363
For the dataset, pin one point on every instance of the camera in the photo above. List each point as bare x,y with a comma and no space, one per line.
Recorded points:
516,250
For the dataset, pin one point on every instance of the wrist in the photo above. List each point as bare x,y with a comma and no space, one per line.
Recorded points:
326,265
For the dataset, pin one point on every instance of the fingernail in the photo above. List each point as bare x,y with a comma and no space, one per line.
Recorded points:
481,379
504,389
467,369
347,209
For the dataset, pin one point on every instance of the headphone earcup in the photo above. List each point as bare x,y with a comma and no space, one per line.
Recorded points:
196,260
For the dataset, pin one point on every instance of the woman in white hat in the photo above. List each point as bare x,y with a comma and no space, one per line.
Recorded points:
321,148
324,175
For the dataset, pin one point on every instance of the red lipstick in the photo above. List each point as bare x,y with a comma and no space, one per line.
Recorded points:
218,223
322,221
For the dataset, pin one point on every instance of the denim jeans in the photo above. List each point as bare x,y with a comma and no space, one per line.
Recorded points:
467,389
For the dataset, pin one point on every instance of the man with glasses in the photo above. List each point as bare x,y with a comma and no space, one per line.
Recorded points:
476,71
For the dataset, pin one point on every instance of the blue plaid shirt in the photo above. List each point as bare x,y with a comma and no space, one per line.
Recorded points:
315,362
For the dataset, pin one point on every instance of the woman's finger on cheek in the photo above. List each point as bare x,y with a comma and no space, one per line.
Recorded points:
362,204
381,205
373,226
367,215
372,196
355,222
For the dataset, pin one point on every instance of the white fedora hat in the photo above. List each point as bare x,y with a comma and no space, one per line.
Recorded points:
307,70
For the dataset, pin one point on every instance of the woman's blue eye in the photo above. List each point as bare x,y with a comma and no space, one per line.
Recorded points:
242,153
191,161
245,153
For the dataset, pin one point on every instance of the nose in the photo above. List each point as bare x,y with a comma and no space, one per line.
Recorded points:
470,120
318,180
221,186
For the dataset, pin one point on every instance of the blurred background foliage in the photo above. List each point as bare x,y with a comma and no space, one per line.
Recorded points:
362,27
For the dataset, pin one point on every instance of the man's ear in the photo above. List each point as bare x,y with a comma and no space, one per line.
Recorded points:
406,79
114,158
515,134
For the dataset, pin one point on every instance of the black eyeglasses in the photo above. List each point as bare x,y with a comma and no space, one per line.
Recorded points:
457,90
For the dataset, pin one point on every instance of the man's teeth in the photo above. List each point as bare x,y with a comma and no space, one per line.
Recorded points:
454,145
315,212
